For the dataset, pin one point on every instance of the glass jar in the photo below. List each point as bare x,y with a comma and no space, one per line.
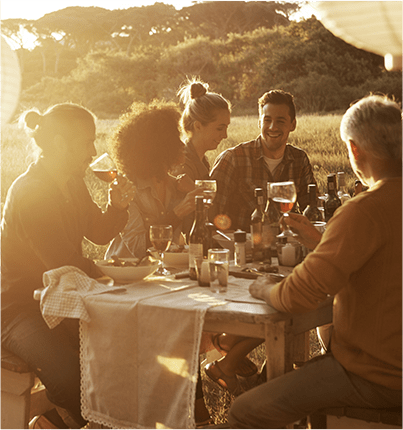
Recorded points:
289,252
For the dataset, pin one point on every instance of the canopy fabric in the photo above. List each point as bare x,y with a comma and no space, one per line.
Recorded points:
375,26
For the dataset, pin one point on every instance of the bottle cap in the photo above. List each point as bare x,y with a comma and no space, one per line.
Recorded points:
240,236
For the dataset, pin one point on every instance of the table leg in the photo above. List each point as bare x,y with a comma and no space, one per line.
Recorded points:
279,348
301,347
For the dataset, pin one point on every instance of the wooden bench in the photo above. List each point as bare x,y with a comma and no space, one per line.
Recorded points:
348,417
22,395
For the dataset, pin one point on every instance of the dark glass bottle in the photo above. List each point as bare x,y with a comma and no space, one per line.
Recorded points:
256,226
311,211
332,201
271,226
198,237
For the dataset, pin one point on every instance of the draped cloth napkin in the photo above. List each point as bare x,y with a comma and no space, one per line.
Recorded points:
64,293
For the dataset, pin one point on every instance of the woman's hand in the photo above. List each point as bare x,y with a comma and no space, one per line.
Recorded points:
121,192
188,204
184,183
307,233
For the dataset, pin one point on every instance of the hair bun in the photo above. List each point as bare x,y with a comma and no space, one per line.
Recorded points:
33,119
197,89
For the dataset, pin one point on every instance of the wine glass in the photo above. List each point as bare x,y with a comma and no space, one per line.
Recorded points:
104,168
285,194
161,237
209,187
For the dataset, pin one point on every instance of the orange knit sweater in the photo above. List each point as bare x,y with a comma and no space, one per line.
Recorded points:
359,261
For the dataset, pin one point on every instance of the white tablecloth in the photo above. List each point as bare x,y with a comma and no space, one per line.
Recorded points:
140,346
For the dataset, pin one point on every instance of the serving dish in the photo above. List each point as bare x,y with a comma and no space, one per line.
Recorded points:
128,272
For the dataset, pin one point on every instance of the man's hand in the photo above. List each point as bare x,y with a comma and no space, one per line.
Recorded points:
260,288
306,231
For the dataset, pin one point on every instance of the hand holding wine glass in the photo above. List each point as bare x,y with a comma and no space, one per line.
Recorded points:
121,190
285,194
161,237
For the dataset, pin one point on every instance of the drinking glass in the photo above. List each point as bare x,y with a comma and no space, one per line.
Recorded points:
285,194
219,269
209,190
161,237
104,168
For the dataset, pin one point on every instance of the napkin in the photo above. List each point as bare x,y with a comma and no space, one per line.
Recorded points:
63,294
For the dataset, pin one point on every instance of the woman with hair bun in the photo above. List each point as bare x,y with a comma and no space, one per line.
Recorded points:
205,120
48,211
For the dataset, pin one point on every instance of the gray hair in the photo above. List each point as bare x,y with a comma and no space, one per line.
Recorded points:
375,124
200,105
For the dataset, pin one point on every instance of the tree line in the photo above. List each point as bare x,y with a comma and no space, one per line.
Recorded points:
108,59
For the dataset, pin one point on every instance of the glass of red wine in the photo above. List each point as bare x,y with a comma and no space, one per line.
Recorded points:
161,237
104,168
285,195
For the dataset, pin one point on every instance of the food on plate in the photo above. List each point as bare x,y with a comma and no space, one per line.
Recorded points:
133,262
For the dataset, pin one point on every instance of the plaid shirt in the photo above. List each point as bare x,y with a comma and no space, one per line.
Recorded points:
239,170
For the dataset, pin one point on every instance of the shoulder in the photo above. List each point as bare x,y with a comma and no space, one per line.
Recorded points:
295,151
241,150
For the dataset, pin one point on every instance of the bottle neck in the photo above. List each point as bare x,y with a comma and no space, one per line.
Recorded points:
330,188
312,199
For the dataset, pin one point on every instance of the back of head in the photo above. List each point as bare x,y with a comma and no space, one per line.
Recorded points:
147,141
375,124
200,105
61,119
278,97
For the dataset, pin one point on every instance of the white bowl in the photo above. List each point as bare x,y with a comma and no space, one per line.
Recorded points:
127,274
176,259
230,244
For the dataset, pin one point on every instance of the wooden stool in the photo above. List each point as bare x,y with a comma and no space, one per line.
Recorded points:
22,395
348,417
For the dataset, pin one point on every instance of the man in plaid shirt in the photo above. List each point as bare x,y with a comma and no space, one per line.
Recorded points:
269,158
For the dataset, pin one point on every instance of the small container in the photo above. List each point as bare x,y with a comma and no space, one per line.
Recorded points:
240,248
289,253
202,271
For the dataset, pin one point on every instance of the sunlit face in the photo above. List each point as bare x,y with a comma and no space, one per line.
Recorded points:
275,126
214,132
81,149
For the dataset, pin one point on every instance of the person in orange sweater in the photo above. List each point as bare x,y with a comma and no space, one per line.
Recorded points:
358,260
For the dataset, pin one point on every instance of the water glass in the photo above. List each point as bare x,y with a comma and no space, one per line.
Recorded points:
219,269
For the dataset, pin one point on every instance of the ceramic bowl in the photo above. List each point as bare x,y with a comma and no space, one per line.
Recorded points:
127,274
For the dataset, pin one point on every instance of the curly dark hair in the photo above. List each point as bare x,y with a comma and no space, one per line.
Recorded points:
147,141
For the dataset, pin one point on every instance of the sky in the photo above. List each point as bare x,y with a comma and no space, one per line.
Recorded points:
35,9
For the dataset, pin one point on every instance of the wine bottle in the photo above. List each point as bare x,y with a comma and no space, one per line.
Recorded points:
332,201
198,237
256,224
311,211
271,226
342,192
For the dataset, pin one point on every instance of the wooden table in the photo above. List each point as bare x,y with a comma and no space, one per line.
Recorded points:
286,335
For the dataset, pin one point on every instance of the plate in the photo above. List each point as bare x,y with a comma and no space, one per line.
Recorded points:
127,274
